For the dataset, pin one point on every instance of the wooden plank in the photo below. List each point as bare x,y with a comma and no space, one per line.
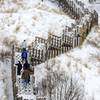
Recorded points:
19,98
37,57
40,40
41,98
53,42
67,41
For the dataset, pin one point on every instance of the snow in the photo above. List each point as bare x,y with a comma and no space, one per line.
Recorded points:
40,73
8,81
5,81
2,84
34,24
34,18
26,19
85,61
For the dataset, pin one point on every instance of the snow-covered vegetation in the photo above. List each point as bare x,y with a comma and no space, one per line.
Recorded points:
32,18
5,80
80,68
3,95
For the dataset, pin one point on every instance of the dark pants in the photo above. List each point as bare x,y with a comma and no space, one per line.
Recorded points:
29,79
18,71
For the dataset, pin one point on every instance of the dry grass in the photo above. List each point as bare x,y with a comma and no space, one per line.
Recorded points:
9,41
12,10
2,2
35,18
15,1
17,29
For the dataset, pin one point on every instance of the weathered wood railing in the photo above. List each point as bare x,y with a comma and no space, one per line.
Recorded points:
37,56
56,45
15,88
53,42
53,46
66,42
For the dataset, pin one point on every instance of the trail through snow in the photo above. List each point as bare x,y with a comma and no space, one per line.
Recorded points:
34,20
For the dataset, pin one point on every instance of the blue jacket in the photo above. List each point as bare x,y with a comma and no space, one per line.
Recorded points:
24,55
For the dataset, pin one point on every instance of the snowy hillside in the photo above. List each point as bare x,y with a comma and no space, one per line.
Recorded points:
2,83
5,80
83,62
32,18
25,19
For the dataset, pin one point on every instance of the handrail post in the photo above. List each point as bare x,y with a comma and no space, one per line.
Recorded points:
13,73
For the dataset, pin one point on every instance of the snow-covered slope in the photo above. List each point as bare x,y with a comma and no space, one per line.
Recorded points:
2,83
32,18
26,19
5,80
83,61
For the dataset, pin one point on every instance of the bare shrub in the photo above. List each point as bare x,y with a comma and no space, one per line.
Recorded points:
4,54
9,41
60,86
17,29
